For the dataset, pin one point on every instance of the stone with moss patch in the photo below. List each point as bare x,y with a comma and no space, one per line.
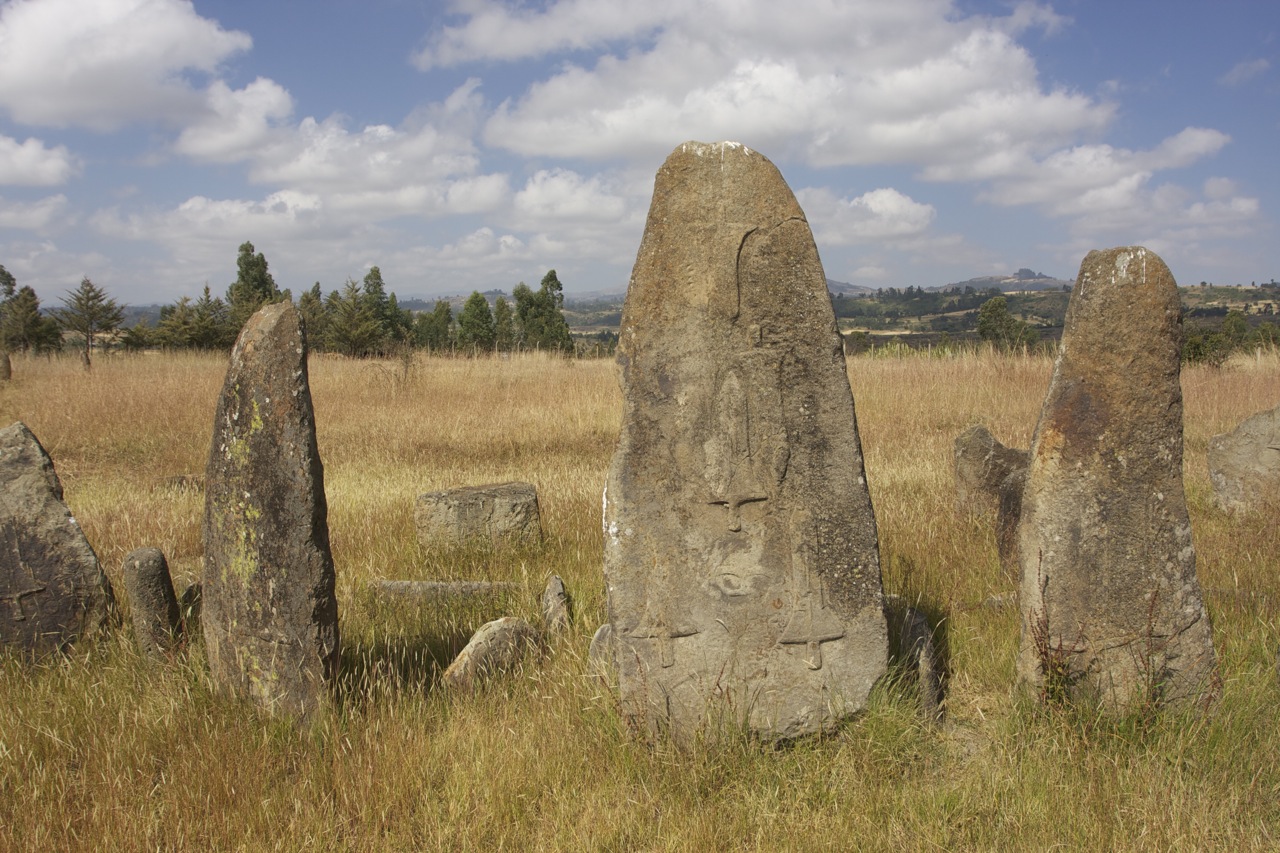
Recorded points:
269,615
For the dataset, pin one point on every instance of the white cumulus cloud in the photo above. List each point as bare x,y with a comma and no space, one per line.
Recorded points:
103,63
33,164
853,83
238,123
1088,180
881,214
32,215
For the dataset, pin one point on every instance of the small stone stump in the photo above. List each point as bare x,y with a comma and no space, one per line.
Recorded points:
1244,464
157,618
269,614
52,587
499,646
982,465
741,556
1111,607
493,513
556,613
916,654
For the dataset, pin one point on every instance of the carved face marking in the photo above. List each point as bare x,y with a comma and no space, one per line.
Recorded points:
734,506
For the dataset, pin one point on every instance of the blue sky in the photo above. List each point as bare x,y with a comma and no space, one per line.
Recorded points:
475,144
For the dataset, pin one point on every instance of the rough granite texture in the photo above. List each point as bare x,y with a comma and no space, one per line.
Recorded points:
1244,464
52,587
269,615
741,556
1109,593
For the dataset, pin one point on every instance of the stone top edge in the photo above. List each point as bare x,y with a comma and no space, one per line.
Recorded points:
700,148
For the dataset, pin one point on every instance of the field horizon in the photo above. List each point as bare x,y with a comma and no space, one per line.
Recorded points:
101,749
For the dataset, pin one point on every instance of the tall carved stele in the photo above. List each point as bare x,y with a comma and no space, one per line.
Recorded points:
741,557
1111,607
270,617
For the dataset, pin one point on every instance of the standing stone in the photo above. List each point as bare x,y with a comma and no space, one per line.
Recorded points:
6,366
492,513
269,614
1244,464
982,464
741,560
157,619
1111,608
556,612
52,587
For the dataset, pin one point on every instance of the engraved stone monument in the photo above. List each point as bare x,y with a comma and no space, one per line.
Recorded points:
52,587
1111,607
269,615
741,557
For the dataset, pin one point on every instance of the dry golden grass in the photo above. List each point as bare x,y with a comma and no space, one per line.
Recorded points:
103,751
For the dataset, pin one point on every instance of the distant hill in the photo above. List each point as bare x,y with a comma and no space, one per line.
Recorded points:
844,288
1024,279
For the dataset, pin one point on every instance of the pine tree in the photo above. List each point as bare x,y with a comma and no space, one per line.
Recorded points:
89,313
353,328
211,319
434,329
314,317
177,329
253,287
475,324
139,336
504,329
539,316
23,327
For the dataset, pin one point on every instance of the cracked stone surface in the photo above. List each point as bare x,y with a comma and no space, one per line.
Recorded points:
741,556
1108,570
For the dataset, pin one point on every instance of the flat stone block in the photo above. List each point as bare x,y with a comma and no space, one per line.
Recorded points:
493,513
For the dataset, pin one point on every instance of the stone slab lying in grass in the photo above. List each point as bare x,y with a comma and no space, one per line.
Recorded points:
492,513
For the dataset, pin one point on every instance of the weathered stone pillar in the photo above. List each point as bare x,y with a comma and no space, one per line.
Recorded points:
741,556
1111,608
269,615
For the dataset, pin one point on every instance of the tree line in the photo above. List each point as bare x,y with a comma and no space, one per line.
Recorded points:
86,312
361,319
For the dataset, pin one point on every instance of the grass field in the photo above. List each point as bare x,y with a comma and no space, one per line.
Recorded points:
103,751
